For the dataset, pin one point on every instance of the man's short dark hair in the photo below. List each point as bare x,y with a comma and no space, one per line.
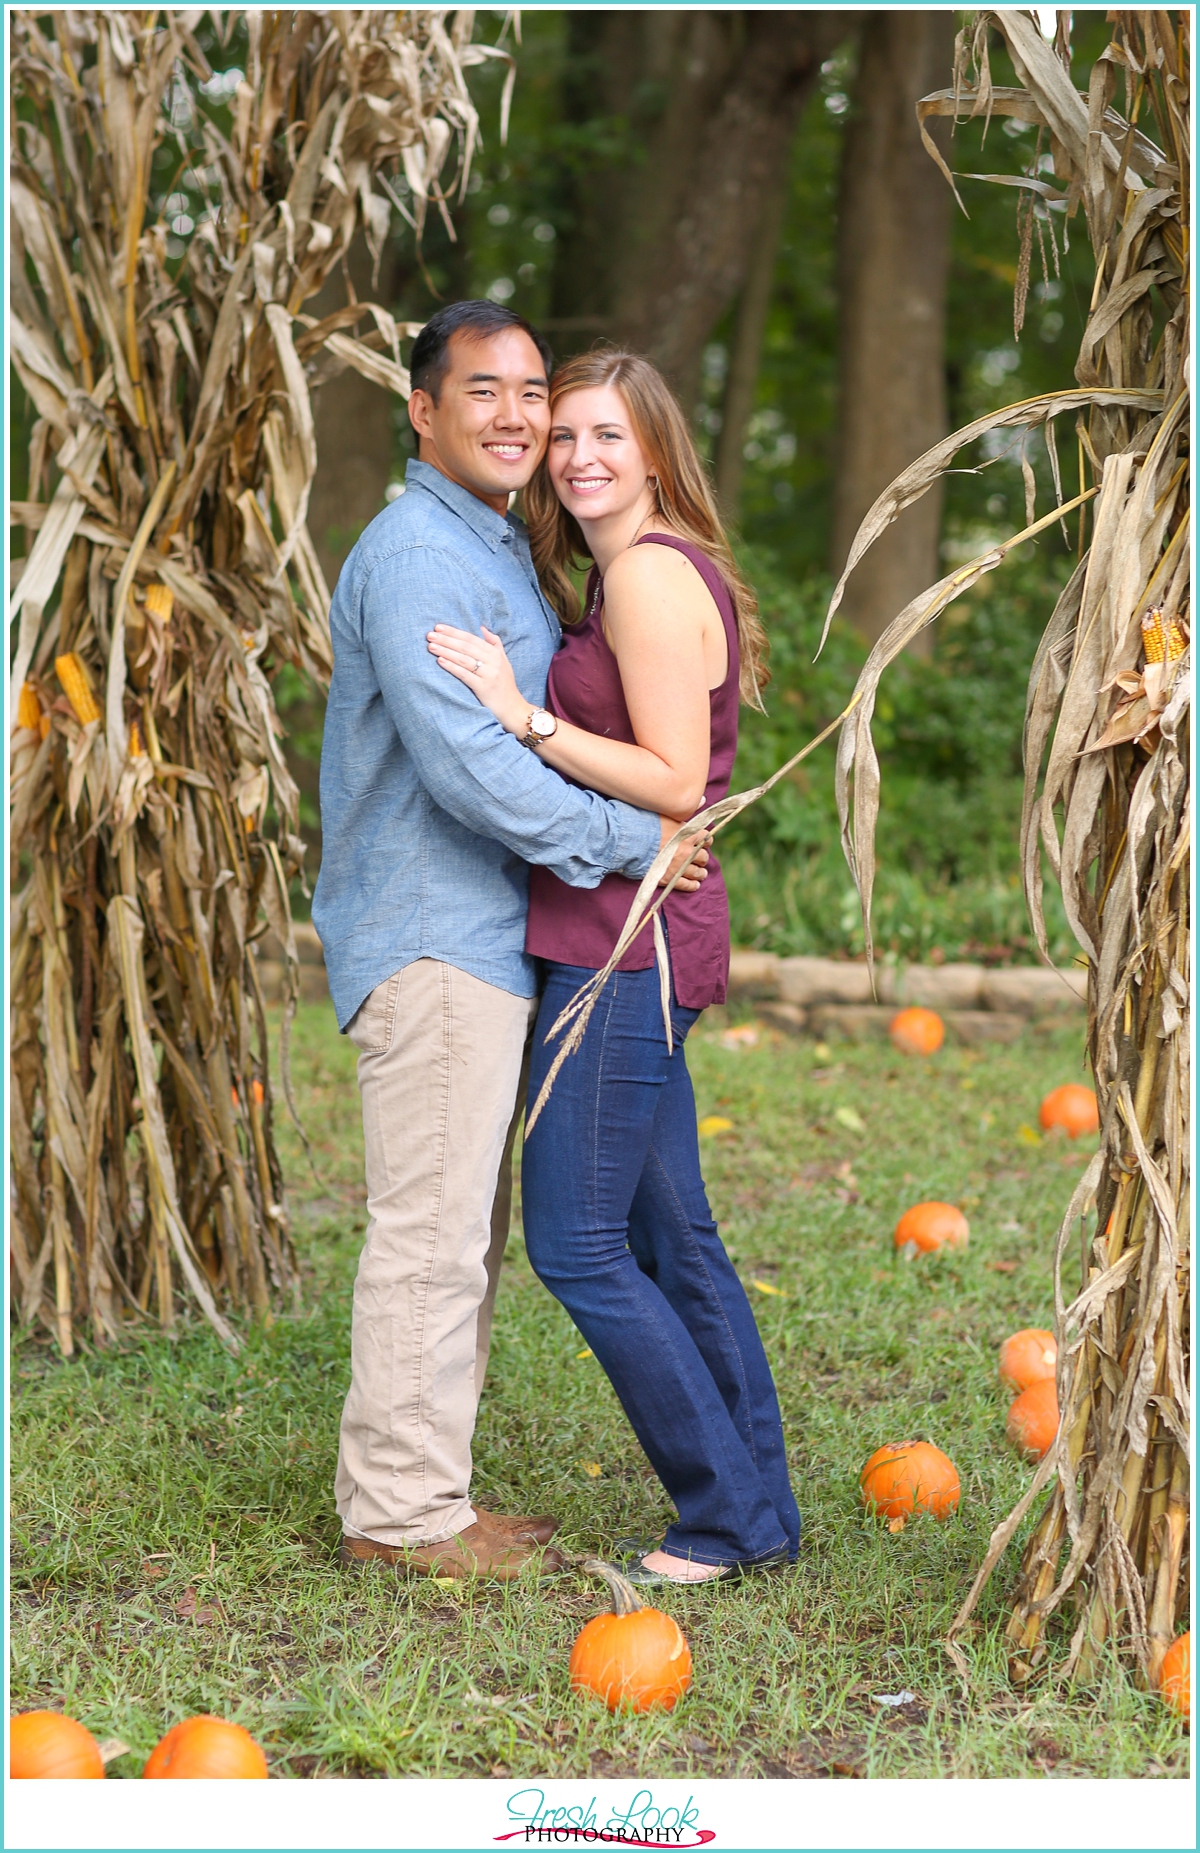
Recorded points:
430,360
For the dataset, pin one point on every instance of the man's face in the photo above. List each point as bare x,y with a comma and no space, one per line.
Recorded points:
489,427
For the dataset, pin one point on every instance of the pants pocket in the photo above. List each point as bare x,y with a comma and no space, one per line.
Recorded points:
370,1028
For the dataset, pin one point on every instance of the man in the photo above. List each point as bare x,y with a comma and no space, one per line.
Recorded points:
430,814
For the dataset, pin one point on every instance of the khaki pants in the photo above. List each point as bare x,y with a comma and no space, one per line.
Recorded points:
441,1068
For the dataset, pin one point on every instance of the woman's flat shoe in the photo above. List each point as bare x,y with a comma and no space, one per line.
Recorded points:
635,1571
635,1547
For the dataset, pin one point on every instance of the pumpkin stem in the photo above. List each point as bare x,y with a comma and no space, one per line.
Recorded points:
624,1595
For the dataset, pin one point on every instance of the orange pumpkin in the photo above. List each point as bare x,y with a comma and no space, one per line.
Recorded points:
1072,1108
1175,1678
906,1477
635,1657
45,1744
931,1225
917,1031
207,1749
1028,1357
1033,1419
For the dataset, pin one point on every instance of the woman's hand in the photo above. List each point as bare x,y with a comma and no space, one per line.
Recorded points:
481,663
693,851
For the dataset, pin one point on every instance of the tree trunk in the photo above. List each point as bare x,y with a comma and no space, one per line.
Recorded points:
658,239
746,352
893,258
354,420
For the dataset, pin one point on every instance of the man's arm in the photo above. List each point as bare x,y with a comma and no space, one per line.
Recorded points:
471,767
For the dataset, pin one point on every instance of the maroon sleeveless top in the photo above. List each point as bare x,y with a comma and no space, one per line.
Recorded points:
580,926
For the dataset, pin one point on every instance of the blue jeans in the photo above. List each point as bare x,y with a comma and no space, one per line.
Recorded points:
618,1227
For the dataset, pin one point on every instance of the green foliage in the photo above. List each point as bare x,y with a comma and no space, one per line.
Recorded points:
171,1467
788,482
949,738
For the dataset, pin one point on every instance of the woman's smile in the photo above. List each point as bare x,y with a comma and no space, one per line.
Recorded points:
596,460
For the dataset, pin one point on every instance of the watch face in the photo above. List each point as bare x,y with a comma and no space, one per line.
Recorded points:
542,723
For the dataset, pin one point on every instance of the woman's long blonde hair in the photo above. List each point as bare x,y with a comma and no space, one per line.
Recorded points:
684,498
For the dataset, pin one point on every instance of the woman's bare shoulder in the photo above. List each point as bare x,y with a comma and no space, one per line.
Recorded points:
643,567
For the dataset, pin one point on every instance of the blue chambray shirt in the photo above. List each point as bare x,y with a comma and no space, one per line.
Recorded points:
430,812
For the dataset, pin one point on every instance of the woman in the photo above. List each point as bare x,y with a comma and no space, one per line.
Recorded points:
643,696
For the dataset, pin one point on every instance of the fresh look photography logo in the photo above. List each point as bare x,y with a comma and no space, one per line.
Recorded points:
642,1823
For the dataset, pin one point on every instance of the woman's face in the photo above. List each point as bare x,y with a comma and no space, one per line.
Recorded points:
597,466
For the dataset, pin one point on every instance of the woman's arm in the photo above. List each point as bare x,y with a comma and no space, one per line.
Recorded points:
659,616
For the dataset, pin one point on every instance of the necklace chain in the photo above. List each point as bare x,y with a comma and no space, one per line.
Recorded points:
598,594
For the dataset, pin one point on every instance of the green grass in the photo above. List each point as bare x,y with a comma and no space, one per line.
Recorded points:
173,1478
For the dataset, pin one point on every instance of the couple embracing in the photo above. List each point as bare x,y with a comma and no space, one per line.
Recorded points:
501,764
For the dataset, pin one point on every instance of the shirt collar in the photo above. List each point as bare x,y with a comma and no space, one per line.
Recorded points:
483,520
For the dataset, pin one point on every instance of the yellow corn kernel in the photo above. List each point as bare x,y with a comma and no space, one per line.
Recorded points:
136,749
78,690
160,602
44,725
29,708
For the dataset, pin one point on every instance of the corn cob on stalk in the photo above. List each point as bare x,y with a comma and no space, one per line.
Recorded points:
29,708
160,601
1163,641
77,687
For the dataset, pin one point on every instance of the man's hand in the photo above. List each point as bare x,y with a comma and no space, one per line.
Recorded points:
697,870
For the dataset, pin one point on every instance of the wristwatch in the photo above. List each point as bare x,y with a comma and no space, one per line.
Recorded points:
539,727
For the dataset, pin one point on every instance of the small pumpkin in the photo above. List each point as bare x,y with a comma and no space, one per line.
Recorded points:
206,1749
931,1225
1072,1109
635,1656
1033,1419
1027,1357
1175,1677
44,1744
917,1031
905,1477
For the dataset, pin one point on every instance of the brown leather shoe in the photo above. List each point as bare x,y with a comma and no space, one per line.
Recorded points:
473,1552
525,1530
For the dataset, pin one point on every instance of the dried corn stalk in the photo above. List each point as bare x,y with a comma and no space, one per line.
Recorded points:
168,574
1107,804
